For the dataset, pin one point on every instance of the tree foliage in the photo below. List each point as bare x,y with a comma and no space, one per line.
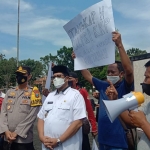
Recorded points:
135,52
36,68
63,56
7,70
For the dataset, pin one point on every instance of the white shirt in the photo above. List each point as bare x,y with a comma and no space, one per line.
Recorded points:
58,112
2,95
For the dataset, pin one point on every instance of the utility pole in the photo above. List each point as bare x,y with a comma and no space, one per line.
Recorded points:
18,34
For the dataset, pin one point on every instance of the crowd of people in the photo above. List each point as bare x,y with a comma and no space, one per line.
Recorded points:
66,117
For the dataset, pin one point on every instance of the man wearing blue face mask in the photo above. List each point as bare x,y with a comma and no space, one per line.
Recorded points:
61,116
111,136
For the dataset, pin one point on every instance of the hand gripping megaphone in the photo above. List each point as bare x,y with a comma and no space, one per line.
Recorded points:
129,102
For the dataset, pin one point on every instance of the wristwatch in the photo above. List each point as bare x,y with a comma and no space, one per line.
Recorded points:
58,142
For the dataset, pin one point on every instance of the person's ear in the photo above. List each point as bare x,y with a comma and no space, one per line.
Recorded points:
76,80
121,74
29,77
66,78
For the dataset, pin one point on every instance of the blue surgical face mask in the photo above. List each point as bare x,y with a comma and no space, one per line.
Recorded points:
113,79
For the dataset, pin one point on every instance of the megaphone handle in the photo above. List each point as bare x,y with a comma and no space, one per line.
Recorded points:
136,109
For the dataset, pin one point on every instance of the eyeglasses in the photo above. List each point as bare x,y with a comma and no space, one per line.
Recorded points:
58,76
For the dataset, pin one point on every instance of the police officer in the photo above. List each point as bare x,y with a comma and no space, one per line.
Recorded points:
18,113
61,116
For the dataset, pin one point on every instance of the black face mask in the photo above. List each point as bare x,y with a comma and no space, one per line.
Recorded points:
70,83
146,88
21,79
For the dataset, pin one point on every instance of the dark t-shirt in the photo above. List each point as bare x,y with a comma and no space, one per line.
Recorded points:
111,134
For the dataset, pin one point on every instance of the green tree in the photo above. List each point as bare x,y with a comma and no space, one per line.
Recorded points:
2,56
7,72
36,68
135,52
64,57
46,60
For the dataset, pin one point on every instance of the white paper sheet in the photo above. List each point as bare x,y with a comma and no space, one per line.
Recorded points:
48,80
91,36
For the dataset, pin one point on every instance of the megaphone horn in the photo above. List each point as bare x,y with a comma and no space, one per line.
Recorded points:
129,101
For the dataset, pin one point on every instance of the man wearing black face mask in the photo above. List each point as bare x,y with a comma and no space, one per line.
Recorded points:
141,118
18,113
73,82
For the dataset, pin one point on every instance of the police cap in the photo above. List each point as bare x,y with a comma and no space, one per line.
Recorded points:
23,70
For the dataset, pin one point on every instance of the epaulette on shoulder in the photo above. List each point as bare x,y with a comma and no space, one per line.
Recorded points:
36,97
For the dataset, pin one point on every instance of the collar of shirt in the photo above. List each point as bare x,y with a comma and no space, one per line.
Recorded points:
118,84
25,89
2,95
64,91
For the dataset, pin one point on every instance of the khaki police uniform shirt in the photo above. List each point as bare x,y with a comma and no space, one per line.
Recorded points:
19,111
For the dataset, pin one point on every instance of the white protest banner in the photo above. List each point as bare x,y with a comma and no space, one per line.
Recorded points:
91,36
48,80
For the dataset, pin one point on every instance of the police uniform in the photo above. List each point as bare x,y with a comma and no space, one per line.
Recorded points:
58,112
18,114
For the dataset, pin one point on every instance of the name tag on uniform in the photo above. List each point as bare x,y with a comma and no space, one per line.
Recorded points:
50,102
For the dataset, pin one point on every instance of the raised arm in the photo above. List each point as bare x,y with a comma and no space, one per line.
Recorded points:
126,63
86,74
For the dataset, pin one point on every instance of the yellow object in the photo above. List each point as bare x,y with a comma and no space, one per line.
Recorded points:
36,97
139,96
21,70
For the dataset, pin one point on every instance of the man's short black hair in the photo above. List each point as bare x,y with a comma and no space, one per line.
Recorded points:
27,68
60,68
119,66
73,74
79,84
147,64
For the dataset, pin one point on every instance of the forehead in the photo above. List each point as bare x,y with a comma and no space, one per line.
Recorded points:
23,74
71,78
113,67
58,73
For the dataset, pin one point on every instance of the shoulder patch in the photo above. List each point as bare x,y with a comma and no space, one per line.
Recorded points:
36,97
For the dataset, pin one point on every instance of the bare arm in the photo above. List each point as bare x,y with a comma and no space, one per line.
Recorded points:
40,127
126,63
146,128
73,128
138,119
87,75
126,119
